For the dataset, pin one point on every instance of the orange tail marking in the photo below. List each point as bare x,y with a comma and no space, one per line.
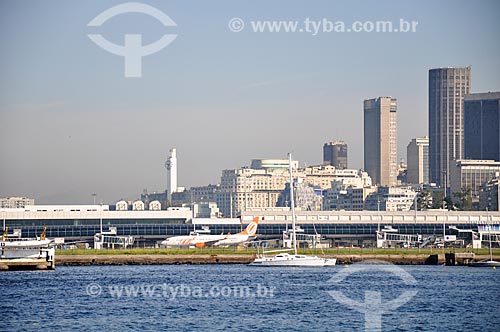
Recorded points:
251,228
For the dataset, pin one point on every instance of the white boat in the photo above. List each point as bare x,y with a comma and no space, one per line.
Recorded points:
286,259
24,244
26,253
489,263
294,260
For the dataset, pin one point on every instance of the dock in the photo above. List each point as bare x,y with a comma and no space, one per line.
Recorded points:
26,264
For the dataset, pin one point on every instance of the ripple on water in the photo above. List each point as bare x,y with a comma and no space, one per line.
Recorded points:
459,298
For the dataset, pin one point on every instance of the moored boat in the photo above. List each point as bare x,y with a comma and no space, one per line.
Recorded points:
26,254
293,260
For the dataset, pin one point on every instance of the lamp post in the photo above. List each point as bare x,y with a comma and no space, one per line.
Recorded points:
445,182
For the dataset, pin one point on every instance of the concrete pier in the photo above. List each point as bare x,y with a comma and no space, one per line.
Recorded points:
26,264
463,258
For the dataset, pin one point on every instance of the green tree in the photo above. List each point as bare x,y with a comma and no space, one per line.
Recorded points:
437,200
424,200
449,204
464,199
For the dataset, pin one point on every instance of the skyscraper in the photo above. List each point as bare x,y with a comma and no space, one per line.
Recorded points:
447,89
481,126
335,154
417,154
380,140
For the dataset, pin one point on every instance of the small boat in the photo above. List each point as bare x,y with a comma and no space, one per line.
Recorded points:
294,260
20,253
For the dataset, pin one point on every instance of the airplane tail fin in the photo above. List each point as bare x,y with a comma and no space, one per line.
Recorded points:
251,229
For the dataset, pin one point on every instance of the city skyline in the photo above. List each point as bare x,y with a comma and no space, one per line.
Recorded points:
72,125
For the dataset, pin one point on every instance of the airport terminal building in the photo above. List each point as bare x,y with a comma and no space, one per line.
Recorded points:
82,222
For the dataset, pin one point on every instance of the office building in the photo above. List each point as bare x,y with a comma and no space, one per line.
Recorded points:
481,126
335,154
472,174
447,89
489,200
417,154
380,140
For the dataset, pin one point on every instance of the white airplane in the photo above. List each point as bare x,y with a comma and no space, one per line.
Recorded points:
202,240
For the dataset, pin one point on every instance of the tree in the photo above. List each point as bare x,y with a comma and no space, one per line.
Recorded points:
464,198
437,200
449,204
440,202
424,200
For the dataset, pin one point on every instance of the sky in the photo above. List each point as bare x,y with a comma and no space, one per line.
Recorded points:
71,123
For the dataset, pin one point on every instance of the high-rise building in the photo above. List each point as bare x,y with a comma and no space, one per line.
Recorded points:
481,126
417,154
171,166
380,140
447,89
335,154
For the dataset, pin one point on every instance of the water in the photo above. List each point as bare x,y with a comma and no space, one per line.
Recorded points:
448,298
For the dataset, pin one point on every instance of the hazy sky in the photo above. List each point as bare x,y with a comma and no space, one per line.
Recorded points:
71,124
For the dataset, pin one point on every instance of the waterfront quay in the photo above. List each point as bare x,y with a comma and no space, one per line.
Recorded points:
408,257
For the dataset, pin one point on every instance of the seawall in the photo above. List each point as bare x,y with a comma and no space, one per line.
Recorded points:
120,259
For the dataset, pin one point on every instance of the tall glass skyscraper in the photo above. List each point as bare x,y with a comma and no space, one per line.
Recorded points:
380,140
482,126
447,89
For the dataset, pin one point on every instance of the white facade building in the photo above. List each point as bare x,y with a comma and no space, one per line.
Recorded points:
171,166
391,199
472,174
348,191
417,154
15,202
206,210
260,187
